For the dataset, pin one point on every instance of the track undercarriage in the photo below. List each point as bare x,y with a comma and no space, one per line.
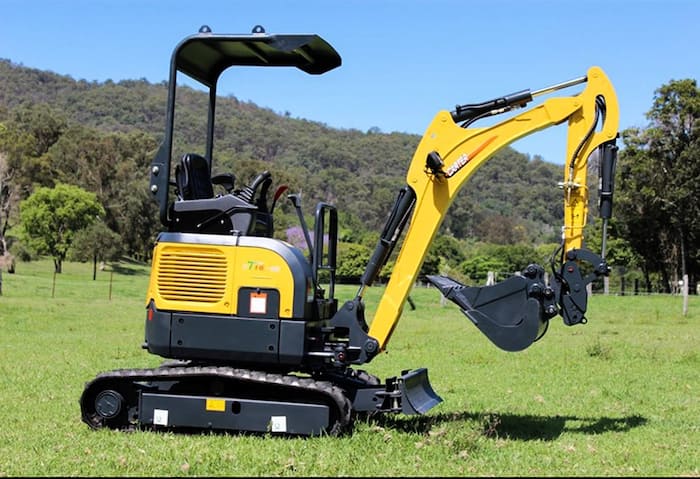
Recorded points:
186,396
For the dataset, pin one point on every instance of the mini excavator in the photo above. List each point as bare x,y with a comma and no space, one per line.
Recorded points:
252,342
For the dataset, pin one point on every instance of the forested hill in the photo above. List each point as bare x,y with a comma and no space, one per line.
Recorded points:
511,198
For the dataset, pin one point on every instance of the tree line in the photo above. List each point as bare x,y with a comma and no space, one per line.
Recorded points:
101,136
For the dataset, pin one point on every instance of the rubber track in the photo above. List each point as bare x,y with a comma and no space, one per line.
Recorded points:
343,413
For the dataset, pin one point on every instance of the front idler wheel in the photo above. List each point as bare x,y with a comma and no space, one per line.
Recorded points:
108,404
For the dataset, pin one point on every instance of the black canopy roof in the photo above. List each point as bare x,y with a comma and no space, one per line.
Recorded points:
205,55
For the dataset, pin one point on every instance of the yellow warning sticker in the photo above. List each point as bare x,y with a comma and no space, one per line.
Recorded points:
216,404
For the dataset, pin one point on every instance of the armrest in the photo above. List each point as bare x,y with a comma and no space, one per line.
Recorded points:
226,180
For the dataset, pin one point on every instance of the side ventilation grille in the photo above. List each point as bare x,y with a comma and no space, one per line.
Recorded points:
198,275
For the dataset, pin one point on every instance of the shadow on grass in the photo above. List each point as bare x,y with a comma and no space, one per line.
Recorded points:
515,426
127,270
504,426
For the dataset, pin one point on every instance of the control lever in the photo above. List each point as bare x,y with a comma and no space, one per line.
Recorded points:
248,192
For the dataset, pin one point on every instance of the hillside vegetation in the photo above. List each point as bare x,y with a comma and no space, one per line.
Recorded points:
511,198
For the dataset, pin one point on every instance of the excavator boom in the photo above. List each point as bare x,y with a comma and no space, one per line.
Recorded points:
449,154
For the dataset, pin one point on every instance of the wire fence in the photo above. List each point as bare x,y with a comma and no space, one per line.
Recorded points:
79,285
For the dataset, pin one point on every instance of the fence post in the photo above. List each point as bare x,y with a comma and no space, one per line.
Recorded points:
685,295
491,278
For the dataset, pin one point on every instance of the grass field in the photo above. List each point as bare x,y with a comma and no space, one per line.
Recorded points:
619,396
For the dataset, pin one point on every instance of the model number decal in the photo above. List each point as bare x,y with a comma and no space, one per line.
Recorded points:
259,266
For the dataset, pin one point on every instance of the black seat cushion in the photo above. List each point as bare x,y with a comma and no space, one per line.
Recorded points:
193,178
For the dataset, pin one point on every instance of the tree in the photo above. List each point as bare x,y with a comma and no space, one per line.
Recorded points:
674,142
13,147
352,260
115,167
444,254
26,133
499,229
477,267
96,243
504,260
8,200
50,218
658,185
32,130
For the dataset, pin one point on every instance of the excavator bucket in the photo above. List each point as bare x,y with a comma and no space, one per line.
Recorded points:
509,313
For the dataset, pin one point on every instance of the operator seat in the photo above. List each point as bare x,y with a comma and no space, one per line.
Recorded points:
198,210
193,178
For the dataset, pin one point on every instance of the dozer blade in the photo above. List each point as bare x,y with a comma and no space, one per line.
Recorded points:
417,395
508,313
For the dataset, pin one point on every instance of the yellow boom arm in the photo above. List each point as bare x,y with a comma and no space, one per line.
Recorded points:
449,154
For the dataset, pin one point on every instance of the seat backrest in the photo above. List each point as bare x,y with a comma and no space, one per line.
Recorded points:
193,178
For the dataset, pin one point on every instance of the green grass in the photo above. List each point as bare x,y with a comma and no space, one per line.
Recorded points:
618,396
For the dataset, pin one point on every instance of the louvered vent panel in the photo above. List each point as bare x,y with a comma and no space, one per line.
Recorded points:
196,275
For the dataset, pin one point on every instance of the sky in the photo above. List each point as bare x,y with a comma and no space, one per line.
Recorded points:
403,61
